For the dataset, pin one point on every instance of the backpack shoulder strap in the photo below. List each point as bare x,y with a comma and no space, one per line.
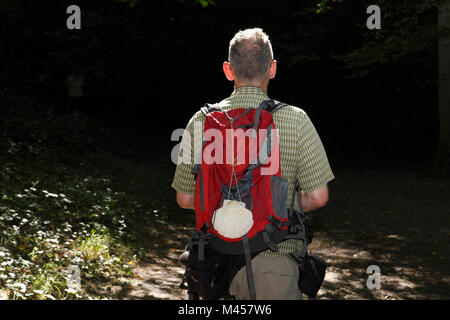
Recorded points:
269,105
277,105
208,107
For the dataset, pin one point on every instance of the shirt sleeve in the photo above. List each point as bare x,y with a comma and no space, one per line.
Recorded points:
314,170
184,181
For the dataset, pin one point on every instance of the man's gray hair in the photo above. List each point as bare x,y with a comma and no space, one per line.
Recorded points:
250,54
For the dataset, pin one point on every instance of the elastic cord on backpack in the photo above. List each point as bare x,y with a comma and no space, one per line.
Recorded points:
233,172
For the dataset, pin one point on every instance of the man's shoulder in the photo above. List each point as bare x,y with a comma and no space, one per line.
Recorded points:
286,113
197,117
290,112
200,116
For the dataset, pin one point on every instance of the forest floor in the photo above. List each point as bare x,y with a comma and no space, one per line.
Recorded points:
397,221
114,216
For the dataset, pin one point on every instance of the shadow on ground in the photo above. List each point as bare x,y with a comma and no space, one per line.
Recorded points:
398,221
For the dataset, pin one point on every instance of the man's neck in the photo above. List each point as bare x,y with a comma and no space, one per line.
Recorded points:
263,86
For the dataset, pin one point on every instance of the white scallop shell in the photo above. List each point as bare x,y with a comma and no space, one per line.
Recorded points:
232,220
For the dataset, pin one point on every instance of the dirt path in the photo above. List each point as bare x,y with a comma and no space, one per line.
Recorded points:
345,278
158,280
403,228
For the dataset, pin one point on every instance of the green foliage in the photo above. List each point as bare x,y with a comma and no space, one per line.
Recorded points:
204,3
34,131
59,206
43,231
325,5
408,34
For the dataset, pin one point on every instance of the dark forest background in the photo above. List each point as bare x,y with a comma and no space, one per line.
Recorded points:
371,93
148,66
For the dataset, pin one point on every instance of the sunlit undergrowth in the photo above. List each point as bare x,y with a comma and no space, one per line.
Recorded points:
62,205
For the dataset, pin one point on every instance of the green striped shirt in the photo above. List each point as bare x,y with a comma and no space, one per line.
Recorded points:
302,155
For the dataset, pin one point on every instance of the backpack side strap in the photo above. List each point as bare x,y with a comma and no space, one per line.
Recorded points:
249,269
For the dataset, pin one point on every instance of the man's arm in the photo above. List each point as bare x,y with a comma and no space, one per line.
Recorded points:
314,171
185,201
314,200
184,181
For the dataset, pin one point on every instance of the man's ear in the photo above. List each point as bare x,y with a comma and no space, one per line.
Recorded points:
273,69
227,70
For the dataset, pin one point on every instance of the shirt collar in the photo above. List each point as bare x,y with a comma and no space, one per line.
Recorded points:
249,90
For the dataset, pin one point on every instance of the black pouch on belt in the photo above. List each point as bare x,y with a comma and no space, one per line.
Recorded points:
312,272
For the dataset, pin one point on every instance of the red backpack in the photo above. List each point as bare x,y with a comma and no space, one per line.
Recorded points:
240,161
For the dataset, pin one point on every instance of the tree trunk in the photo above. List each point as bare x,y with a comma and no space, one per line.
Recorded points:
442,158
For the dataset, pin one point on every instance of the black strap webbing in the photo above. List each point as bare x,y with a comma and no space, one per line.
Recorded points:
207,108
272,246
248,263
297,193
264,105
278,105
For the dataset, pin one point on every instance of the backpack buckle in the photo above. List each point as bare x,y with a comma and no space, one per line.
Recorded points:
275,222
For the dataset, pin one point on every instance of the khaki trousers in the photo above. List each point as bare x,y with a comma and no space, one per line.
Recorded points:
275,279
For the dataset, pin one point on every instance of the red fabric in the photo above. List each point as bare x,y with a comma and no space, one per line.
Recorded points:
217,171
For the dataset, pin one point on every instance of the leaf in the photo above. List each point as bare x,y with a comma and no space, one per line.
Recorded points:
205,3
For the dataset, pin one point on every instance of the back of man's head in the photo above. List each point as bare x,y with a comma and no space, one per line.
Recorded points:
250,55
